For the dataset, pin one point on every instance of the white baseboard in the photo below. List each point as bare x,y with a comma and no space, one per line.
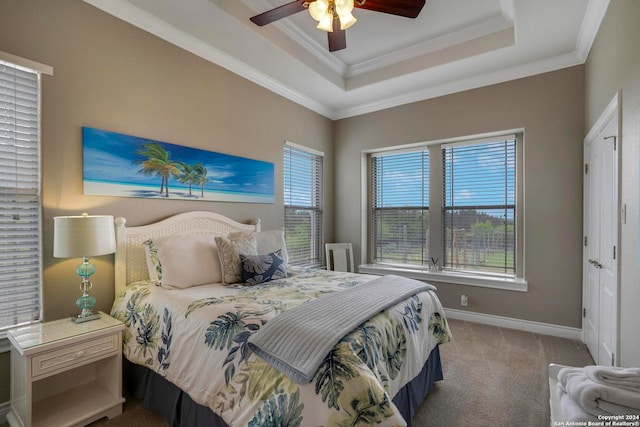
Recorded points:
519,324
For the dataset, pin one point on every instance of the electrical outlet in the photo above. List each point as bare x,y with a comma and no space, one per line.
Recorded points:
464,300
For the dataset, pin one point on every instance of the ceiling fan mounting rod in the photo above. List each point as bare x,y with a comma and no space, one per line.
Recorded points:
307,3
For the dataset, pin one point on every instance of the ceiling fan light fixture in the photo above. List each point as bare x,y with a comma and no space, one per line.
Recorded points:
344,7
330,13
326,23
318,9
347,21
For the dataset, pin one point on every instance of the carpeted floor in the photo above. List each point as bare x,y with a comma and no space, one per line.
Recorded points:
493,377
496,377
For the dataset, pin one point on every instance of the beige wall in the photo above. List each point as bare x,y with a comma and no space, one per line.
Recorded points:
110,75
613,65
550,107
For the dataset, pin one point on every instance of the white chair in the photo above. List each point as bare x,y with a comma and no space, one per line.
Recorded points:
339,257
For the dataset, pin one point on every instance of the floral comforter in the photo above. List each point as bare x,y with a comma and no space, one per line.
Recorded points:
196,338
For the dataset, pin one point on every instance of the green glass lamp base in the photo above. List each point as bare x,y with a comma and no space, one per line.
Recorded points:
86,301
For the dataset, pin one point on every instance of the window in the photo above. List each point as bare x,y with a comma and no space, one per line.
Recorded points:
303,205
20,218
400,211
479,210
454,203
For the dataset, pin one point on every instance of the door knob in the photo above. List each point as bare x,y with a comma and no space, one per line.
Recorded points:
596,263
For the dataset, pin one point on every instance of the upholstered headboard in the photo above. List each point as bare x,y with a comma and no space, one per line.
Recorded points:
130,262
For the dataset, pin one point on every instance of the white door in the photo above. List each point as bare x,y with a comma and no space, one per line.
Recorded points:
591,311
601,225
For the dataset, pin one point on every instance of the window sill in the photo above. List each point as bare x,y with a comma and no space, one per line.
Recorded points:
458,278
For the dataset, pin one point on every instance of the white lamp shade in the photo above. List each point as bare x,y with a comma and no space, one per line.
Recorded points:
317,9
83,235
347,21
344,7
326,23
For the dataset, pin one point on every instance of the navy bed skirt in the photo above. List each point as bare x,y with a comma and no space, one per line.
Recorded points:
179,410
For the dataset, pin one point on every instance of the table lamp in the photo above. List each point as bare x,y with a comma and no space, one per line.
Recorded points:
84,236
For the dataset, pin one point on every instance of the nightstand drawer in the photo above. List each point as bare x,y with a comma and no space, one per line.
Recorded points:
73,355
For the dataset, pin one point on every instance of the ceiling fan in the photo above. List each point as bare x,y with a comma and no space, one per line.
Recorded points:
334,16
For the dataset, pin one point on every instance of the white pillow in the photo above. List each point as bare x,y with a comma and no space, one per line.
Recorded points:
267,242
229,251
184,260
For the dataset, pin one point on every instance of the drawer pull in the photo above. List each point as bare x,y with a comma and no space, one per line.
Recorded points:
80,354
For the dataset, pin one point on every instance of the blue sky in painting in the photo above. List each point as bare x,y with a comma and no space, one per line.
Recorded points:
109,157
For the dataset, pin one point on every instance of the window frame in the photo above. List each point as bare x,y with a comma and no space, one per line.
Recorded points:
316,206
449,193
35,315
421,153
516,282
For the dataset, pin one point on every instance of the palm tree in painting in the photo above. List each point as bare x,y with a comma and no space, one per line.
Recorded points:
201,176
188,175
155,160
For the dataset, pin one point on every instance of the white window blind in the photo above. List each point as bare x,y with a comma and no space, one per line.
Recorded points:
20,217
303,205
479,205
400,207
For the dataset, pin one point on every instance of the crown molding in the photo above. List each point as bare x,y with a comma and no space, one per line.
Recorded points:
430,46
474,82
596,10
123,9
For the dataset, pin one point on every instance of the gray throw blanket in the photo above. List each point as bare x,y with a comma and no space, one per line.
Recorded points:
297,341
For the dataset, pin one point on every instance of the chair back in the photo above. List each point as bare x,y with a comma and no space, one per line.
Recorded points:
339,257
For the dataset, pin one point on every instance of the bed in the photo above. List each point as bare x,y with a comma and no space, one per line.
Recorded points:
188,345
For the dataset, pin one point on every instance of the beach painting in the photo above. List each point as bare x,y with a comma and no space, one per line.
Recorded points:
128,166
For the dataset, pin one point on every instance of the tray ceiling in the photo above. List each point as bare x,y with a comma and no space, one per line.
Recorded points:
453,45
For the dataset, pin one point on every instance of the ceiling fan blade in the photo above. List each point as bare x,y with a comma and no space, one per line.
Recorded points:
338,38
278,13
406,8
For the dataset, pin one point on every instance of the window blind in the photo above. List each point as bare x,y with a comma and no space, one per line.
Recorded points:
303,205
20,217
479,205
400,207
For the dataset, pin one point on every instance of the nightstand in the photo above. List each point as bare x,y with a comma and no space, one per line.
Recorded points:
65,373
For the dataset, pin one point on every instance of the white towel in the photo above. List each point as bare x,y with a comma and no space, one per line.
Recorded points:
565,373
612,408
625,378
570,409
598,399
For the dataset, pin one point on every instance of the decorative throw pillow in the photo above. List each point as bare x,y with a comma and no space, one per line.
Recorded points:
153,263
267,242
229,251
183,260
258,269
